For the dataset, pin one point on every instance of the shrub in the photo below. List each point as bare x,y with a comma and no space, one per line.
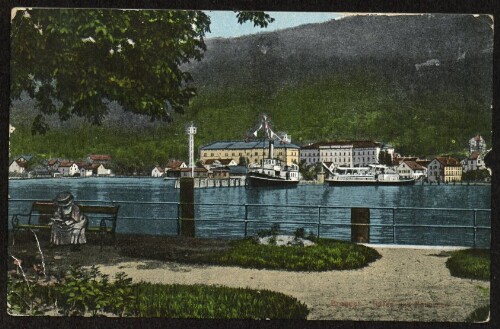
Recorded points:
325,255
300,233
480,314
89,292
470,264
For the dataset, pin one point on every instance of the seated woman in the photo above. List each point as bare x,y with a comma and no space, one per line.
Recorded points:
68,224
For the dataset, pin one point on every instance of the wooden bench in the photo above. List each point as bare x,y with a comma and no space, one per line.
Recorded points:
42,211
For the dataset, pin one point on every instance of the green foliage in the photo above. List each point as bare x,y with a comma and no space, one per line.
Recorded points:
89,292
481,314
476,175
470,264
361,109
300,233
199,301
324,256
84,58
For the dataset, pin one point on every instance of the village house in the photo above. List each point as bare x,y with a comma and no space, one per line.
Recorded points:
53,164
68,168
18,167
157,172
175,164
99,158
252,151
411,169
474,162
477,144
444,169
102,171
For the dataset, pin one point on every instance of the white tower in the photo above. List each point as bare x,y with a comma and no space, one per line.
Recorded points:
191,131
11,130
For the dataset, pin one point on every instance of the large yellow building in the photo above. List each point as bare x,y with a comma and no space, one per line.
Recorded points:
252,151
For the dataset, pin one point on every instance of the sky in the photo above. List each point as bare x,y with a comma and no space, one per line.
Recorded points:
225,24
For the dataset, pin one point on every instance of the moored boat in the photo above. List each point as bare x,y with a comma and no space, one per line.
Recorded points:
362,176
273,173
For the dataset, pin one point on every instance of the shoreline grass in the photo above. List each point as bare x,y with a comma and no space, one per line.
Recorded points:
470,264
88,292
326,255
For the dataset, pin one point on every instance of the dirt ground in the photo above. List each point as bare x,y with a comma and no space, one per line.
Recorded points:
406,284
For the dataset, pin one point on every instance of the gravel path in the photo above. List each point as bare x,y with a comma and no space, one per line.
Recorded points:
404,285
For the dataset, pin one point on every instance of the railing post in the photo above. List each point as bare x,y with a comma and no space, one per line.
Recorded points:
178,218
475,227
319,219
394,225
246,219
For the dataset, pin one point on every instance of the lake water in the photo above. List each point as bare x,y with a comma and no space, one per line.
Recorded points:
149,206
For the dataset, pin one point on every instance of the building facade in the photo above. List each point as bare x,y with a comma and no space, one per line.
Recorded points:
411,169
474,162
342,153
157,172
477,144
252,151
444,169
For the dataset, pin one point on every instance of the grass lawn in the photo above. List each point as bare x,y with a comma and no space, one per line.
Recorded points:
84,292
470,264
324,256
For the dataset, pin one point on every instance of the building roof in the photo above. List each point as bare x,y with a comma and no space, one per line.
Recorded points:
423,163
244,145
237,170
174,164
100,157
160,169
474,155
52,162
355,144
449,161
413,165
66,164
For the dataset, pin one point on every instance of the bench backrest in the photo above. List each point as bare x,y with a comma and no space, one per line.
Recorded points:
46,209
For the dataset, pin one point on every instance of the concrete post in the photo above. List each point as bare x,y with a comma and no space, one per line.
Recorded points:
187,206
360,233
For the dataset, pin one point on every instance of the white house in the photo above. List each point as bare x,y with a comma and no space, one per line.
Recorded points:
68,168
477,144
411,169
474,162
18,167
101,171
157,172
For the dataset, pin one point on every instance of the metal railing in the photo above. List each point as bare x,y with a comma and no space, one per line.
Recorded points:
392,225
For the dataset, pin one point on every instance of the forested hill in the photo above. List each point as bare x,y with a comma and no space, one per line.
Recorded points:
421,82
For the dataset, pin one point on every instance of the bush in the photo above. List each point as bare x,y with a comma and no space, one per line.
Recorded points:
470,264
300,233
324,256
89,292
200,301
480,314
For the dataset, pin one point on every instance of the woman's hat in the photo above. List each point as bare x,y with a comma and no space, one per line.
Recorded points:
64,199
